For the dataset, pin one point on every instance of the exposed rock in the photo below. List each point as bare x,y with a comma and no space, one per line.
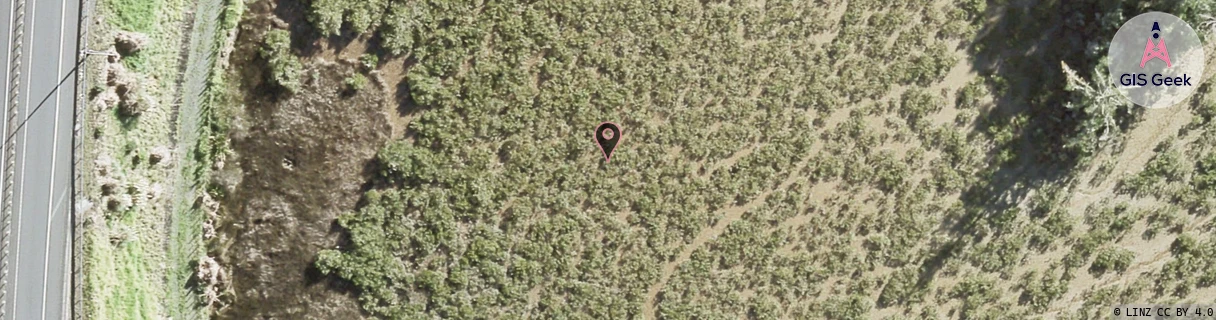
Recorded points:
118,203
133,101
118,236
106,100
208,230
158,155
265,260
125,92
112,56
211,276
211,208
377,78
129,43
279,23
117,74
288,164
102,165
154,191
109,188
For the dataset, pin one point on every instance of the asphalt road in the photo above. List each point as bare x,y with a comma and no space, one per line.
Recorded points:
37,283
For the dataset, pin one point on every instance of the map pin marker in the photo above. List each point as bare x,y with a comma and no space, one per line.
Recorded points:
607,136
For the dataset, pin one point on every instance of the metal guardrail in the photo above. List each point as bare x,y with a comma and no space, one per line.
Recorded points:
10,154
78,151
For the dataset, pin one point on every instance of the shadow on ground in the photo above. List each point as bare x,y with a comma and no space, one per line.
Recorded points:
1019,50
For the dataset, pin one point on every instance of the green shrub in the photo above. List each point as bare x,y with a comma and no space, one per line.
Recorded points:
326,15
916,104
930,66
1055,226
1204,180
369,61
1168,218
851,307
402,161
285,67
401,23
1193,265
1002,254
1115,220
1205,110
1165,167
1111,259
977,292
969,96
365,15
494,210
890,173
355,82
329,15
902,288
1039,291
945,178
1098,104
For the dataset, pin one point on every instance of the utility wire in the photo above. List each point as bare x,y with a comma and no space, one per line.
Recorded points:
44,99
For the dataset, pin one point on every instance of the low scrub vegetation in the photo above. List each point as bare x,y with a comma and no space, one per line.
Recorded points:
770,170
284,65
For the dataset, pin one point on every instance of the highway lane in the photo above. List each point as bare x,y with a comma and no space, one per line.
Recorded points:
39,243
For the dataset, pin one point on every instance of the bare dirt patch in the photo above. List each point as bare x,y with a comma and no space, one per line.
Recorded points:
302,159
304,162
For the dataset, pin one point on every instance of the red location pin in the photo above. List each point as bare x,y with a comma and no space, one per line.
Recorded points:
607,136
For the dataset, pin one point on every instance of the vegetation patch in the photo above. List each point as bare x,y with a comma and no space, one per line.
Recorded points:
133,265
771,168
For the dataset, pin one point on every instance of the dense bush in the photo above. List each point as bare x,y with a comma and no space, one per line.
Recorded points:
1040,290
1164,169
763,145
355,82
1193,266
977,293
284,66
847,307
369,61
916,104
1204,180
363,16
902,287
1111,259
1099,104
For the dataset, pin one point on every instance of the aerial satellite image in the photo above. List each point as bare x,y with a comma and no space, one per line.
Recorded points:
607,159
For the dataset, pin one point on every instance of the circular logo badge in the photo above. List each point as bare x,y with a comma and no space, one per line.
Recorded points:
1156,60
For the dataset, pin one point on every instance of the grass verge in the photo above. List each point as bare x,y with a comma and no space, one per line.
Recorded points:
201,141
142,236
123,268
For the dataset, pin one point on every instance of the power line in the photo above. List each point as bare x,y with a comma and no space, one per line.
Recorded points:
44,99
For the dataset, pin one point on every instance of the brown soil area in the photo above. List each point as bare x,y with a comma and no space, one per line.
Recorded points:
301,160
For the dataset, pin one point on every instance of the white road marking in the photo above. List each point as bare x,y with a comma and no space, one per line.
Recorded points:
54,208
21,186
50,202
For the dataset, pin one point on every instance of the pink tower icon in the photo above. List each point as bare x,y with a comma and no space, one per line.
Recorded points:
1157,51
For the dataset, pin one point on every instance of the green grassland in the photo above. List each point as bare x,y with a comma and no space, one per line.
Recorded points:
138,259
123,248
782,159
